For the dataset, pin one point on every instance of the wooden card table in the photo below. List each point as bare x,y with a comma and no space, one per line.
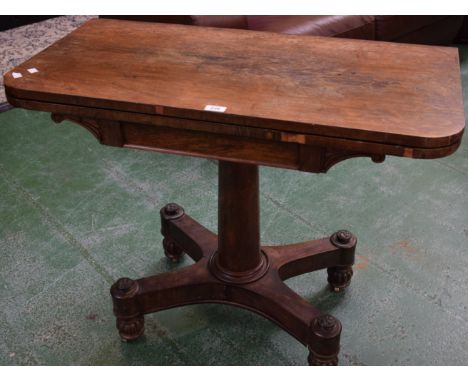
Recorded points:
246,99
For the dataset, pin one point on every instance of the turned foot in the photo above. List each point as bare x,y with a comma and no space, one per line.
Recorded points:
131,329
317,360
172,250
339,277
325,341
130,321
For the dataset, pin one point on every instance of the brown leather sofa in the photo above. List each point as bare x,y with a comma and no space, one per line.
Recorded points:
436,30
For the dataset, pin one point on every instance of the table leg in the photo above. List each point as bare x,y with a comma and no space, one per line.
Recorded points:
232,268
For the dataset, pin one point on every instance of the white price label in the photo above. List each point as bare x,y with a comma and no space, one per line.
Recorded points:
217,108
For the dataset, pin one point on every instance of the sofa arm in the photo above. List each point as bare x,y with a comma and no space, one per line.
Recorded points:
154,19
239,22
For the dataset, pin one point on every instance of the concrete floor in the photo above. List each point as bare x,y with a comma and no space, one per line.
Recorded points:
75,216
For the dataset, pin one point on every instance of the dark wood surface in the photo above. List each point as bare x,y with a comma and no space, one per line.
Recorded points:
377,92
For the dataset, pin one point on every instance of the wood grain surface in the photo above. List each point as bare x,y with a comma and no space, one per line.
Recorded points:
359,90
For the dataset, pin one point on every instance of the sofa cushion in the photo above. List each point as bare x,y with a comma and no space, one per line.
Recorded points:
238,22
439,30
338,26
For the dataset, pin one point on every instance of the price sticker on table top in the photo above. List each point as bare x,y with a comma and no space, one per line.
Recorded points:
216,108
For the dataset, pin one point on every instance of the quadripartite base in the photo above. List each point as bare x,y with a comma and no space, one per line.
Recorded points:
262,290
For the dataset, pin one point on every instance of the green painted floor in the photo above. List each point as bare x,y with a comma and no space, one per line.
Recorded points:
75,216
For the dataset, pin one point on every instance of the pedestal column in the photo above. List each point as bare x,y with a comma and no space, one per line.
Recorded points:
238,258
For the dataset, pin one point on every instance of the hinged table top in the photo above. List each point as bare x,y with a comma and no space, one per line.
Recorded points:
360,90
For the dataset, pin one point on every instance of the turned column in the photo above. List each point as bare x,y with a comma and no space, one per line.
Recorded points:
238,257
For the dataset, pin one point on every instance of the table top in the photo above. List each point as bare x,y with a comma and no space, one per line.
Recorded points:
378,92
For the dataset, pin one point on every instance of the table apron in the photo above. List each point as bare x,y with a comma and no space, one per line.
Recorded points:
244,144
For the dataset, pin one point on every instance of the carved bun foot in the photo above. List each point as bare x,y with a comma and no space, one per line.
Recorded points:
172,250
339,277
131,329
325,341
130,322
